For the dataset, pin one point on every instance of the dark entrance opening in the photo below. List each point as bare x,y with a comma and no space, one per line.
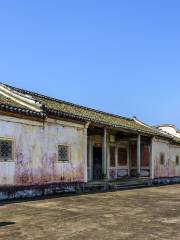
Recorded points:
97,163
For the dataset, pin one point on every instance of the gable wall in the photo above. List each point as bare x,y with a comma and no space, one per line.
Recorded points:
169,168
36,152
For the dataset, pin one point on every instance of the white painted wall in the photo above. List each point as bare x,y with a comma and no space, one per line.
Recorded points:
169,169
171,130
36,152
174,169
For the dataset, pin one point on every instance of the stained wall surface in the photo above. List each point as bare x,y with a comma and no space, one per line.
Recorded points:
35,158
169,168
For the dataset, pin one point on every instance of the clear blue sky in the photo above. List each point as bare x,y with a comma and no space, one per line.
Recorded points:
120,56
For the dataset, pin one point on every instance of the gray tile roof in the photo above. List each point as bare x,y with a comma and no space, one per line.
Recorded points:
54,107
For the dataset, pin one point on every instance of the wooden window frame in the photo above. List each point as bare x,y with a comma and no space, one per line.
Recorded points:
177,160
69,153
162,158
12,140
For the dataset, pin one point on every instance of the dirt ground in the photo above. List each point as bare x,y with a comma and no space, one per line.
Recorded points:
150,213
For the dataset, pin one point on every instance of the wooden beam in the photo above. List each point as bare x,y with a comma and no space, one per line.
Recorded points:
22,116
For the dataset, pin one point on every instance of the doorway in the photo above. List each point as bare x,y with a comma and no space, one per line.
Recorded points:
97,163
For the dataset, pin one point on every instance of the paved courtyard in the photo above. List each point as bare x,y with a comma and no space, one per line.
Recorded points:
151,213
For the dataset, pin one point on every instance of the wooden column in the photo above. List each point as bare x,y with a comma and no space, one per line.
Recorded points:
90,159
85,151
129,160
139,155
105,152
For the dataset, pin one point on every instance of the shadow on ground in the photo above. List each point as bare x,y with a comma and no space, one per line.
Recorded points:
3,224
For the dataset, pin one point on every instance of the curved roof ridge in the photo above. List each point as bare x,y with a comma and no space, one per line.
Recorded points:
66,102
56,107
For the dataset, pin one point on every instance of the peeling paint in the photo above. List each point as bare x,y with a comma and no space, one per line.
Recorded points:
36,153
169,168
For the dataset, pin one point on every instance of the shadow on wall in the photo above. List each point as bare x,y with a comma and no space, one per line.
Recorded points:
3,224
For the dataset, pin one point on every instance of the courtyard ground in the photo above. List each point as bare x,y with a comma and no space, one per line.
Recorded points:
150,213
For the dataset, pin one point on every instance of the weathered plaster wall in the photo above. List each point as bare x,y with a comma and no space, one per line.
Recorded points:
36,152
174,169
158,148
169,168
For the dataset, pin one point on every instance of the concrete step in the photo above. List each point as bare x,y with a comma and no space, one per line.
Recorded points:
123,187
100,186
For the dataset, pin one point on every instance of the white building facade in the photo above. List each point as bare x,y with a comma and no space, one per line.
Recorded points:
48,145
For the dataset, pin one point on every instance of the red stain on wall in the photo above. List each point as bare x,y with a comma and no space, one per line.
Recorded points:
50,171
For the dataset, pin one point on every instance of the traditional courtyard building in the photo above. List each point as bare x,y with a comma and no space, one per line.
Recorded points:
49,145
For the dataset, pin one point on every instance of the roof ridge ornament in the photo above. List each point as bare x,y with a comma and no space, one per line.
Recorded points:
146,125
170,129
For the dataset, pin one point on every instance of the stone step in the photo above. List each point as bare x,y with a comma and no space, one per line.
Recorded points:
123,187
116,185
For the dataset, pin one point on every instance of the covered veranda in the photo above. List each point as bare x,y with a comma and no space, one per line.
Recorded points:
114,154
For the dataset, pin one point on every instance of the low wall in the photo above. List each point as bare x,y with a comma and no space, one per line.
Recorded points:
23,192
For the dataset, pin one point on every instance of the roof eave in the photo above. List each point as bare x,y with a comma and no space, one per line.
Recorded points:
22,111
101,123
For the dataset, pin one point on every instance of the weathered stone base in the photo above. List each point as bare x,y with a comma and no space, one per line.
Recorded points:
165,181
22,192
128,184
